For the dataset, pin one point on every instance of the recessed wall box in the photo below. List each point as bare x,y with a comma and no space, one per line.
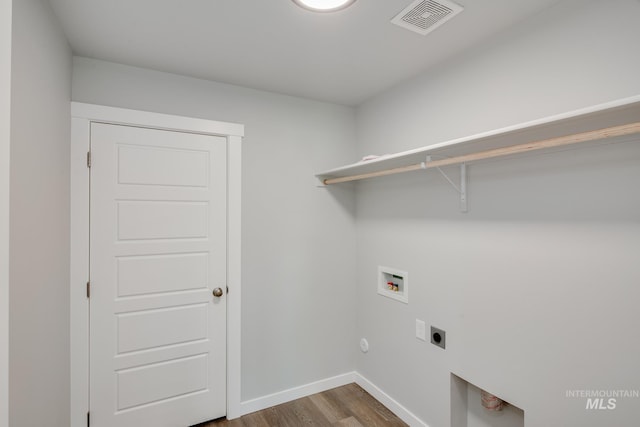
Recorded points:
393,283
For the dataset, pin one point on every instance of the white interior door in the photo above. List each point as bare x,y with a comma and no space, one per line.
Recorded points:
158,251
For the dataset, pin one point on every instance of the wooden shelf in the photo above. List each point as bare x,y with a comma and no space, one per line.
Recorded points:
587,120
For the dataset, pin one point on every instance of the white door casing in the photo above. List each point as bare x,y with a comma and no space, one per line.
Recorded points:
161,237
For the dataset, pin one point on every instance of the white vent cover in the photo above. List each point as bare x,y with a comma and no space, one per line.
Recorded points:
424,16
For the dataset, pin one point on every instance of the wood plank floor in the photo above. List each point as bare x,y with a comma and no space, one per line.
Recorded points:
346,406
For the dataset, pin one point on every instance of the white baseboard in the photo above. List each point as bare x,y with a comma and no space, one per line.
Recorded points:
394,406
285,396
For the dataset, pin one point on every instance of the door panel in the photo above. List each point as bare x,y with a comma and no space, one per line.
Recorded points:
158,249
162,273
147,220
144,385
156,328
163,166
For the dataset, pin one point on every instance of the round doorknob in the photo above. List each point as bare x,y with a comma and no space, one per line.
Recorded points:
217,292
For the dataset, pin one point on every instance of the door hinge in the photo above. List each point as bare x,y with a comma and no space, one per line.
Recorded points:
89,159
88,289
88,419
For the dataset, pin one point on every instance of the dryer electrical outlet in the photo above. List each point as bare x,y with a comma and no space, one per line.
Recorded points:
438,337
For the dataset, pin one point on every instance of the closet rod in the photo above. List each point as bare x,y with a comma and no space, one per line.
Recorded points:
611,132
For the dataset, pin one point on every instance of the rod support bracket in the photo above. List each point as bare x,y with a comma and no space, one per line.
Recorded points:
462,189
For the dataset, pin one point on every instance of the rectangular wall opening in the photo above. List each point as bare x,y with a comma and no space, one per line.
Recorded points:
393,283
467,409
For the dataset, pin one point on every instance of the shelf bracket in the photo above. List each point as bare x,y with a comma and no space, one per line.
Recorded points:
462,189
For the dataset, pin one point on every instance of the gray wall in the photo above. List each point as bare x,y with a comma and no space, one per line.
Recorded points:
39,219
537,286
298,241
5,125
528,284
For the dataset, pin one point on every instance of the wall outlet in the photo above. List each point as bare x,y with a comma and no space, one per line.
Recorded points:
438,337
421,330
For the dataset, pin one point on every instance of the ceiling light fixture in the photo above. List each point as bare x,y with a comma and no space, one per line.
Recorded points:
324,5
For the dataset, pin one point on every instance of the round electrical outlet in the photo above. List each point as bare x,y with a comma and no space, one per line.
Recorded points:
364,345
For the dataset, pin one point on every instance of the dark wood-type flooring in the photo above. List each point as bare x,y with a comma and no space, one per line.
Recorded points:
346,406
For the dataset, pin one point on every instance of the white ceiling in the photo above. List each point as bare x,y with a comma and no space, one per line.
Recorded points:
343,57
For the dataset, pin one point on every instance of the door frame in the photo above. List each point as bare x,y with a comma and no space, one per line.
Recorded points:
82,115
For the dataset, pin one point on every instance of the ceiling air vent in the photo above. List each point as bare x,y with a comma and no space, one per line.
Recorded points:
424,16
